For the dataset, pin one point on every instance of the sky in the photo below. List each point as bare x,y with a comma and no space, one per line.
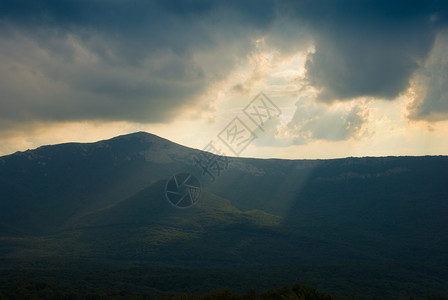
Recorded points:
306,79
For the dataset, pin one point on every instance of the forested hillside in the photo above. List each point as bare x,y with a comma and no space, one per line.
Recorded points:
358,227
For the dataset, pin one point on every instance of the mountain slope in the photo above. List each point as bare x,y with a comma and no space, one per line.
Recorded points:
105,201
43,188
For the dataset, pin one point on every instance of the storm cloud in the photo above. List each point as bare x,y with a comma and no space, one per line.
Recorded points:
368,48
147,61
430,85
135,60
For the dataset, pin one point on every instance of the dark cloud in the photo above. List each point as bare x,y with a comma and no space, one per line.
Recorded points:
348,67
368,48
45,84
147,60
118,60
430,85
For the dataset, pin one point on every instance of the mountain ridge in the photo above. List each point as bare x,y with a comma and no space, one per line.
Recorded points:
105,201
146,135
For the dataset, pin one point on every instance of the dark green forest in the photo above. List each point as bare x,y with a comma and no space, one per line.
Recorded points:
51,288
53,279
91,221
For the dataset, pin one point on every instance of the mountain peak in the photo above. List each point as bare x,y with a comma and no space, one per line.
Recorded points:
143,138
139,134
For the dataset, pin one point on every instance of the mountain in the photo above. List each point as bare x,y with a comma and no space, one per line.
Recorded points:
373,225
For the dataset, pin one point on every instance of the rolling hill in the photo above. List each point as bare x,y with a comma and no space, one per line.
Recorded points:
353,226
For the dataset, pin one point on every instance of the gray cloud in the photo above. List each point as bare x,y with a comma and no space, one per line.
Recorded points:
39,83
431,85
369,48
353,67
146,61
135,60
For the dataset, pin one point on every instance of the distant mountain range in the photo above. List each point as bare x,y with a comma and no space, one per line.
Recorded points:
373,221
